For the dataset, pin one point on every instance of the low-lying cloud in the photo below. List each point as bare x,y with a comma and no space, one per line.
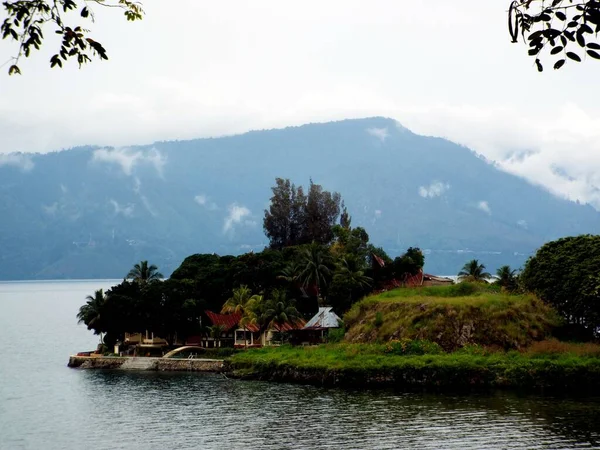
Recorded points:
126,211
20,160
128,159
380,133
435,189
484,206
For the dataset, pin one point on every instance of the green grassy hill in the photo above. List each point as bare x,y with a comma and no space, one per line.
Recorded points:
451,316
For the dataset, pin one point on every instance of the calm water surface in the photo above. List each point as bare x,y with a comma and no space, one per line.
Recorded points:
45,405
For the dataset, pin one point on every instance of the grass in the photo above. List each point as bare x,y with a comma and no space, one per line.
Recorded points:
457,336
374,365
452,316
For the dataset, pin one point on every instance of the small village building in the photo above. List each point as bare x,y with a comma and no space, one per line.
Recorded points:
317,328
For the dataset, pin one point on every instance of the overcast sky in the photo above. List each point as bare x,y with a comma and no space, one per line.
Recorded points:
196,68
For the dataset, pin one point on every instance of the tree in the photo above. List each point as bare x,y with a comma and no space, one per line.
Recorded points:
239,303
507,278
322,211
294,218
91,314
473,271
215,332
25,20
349,282
316,267
557,26
410,263
566,274
143,273
279,311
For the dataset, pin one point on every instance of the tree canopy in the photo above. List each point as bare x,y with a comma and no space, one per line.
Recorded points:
26,20
566,274
294,218
567,30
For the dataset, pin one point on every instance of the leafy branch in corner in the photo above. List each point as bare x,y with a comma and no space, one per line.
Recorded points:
25,20
567,29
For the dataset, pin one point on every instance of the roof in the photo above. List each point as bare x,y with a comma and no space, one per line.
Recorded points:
440,279
288,326
228,321
414,280
325,318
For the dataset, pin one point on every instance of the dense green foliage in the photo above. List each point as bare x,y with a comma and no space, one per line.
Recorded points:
451,316
268,289
566,274
294,218
375,365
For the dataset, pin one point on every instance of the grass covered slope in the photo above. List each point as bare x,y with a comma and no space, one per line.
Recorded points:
451,316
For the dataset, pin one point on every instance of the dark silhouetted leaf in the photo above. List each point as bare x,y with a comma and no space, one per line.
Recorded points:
574,56
593,46
556,50
558,64
561,15
580,39
593,54
539,66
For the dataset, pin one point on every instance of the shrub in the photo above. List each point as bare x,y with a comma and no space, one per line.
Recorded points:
378,319
412,347
336,335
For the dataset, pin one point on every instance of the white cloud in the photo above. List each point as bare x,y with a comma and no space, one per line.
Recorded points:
200,199
379,133
523,224
435,189
126,211
50,209
377,213
484,206
316,77
235,216
204,201
127,159
20,160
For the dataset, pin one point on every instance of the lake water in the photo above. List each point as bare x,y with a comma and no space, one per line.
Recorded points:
45,405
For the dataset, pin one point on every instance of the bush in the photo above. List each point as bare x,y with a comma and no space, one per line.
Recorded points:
412,347
336,335
378,319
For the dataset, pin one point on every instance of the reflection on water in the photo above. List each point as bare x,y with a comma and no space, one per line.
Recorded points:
45,405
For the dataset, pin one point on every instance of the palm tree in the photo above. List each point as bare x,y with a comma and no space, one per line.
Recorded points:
239,303
506,278
215,332
473,271
351,269
90,314
143,273
291,273
315,267
279,311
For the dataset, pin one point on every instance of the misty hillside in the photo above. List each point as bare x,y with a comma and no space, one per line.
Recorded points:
90,213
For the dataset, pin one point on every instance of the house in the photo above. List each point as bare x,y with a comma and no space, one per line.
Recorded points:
317,328
227,322
234,335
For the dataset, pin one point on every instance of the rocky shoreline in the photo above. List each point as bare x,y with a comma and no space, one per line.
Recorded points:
145,363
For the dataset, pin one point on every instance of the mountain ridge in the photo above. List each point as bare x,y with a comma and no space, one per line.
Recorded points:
94,211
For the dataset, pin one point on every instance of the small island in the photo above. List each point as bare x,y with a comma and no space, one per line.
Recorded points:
323,305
